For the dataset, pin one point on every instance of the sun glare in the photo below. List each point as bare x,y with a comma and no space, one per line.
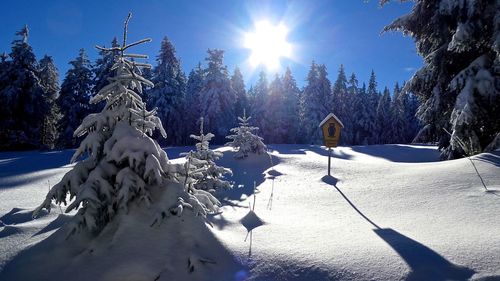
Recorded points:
268,44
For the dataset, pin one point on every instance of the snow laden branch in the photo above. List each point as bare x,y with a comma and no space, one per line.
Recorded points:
124,166
244,140
204,174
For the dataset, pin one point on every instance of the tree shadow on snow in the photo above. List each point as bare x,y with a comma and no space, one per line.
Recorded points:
401,153
424,263
245,172
24,162
302,149
492,158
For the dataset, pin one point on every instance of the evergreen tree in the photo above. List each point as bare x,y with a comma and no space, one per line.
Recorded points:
275,129
239,87
217,96
357,110
260,93
373,99
73,100
4,100
192,103
23,97
205,174
458,82
399,122
383,118
102,67
412,104
341,105
168,94
291,106
244,140
49,80
124,165
316,99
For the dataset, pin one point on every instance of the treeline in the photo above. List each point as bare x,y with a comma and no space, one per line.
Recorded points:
38,113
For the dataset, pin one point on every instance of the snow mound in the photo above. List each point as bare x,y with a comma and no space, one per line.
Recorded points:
129,248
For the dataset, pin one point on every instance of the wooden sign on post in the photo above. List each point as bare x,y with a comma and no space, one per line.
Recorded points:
331,127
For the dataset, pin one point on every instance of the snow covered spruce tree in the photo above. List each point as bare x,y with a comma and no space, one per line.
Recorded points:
49,78
73,99
244,140
205,174
217,96
169,92
124,165
458,84
22,98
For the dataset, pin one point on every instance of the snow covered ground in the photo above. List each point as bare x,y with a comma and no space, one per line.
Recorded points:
388,212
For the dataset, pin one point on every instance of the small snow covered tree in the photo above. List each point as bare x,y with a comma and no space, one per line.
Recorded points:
458,84
244,140
206,175
124,164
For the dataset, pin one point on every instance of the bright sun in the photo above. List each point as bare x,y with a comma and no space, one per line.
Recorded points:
268,44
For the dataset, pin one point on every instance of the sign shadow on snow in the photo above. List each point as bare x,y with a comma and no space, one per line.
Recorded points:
424,263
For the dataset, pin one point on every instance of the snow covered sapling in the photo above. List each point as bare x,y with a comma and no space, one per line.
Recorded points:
124,164
206,175
244,141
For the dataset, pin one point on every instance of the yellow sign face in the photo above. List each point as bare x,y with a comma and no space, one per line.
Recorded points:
331,132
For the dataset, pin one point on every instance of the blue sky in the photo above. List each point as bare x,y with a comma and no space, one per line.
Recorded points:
331,32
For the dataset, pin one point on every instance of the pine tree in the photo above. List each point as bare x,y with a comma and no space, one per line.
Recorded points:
205,174
168,95
341,105
399,122
260,94
49,80
458,82
217,96
383,118
356,110
239,87
275,129
192,103
412,104
102,68
73,100
316,101
291,106
244,140
365,121
373,98
5,116
23,96
124,165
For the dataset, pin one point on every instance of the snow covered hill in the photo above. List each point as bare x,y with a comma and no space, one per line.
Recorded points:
388,212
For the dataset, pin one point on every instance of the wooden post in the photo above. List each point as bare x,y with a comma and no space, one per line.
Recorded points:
329,159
